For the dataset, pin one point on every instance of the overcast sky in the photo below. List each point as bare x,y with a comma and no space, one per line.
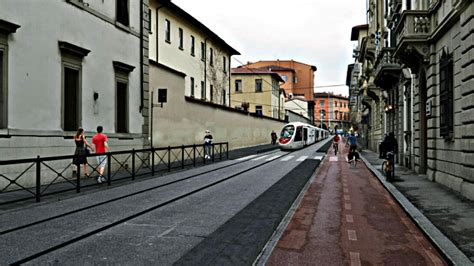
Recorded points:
315,32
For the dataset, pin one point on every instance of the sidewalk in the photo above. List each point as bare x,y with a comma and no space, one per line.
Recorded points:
444,216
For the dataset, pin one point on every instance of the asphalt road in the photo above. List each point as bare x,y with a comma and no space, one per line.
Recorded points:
162,220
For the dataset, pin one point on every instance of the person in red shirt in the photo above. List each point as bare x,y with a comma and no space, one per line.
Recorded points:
101,146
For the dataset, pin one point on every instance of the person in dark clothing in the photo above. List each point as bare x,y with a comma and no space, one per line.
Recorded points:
389,144
274,137
81,150
207,144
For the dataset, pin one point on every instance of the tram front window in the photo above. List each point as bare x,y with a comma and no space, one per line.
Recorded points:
286,133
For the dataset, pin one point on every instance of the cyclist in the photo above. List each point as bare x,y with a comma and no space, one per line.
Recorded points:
389,148
335,143
352,141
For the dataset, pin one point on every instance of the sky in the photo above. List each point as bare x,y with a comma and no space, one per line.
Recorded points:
315,32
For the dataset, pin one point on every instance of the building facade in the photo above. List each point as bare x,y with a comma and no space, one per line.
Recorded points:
298,77
423,68
183,43
331,111
54,79
257,91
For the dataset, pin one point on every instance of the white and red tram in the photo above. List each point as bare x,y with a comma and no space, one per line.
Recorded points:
296,135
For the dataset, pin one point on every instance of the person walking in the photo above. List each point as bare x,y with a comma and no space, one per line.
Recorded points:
81,150
101,147
274,137
207,144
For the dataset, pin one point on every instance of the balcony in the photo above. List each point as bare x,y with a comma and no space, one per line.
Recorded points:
394,11
412,33
387,69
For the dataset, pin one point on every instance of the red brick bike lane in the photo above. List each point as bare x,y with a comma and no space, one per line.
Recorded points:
347,217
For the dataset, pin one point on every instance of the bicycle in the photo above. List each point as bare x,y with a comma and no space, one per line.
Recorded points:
388,167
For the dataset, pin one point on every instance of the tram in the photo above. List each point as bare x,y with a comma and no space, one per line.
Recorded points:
297,135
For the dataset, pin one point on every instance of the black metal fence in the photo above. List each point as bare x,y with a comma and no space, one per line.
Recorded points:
33,178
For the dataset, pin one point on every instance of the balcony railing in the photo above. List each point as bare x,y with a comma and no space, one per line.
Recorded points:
386,62
414,25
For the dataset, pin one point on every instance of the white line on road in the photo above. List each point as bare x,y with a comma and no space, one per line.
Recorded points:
355,258
246,157
273,157
352,235
259,158
347,206
347,197
302,158
287,158
333,159
318,158
346,190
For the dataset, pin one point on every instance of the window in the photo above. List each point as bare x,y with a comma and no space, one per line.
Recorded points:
258,85
224,94
121,106
3,91
238,85
122,12
149,21
71,67
211,89
211,56
203,51
285,78
321,104
258,110
71,104
192,45
335,104
167,31
446,77
192,87
180,31
203,90
295,79
122,72
224,64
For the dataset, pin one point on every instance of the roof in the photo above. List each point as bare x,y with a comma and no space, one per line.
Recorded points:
319,95
254,71
180,12
314,68
356,29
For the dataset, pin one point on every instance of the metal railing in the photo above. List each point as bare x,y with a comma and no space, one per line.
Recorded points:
42,176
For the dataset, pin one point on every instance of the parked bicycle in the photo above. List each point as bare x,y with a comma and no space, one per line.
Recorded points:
388,167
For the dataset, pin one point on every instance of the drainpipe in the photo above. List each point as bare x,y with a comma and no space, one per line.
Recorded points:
412,87
205,69
230,85
141,57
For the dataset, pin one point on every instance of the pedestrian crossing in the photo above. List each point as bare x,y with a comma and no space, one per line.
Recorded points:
287,158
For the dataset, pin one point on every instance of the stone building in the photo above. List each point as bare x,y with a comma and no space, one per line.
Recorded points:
423,68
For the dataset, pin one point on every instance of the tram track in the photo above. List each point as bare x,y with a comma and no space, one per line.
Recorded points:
62,215
134,215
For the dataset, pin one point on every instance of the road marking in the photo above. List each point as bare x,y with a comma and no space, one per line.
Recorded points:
246,157
333,159
318,158
347,197
347,206
355,258
344,185
287,158
272,158
352,235
346,190
349,218
302,158
259,158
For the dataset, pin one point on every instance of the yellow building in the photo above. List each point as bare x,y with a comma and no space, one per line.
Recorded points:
257,91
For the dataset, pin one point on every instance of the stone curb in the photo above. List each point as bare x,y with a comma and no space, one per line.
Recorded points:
442,243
